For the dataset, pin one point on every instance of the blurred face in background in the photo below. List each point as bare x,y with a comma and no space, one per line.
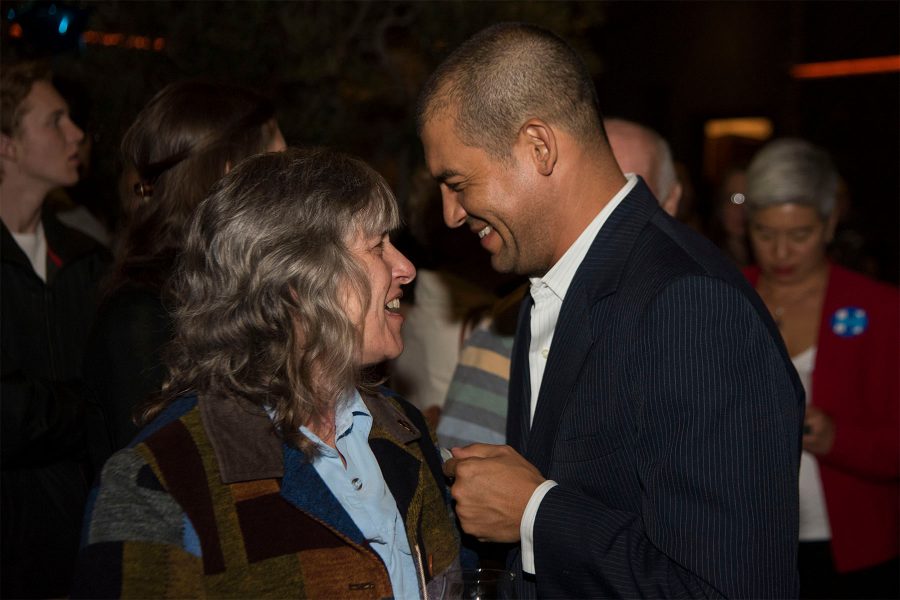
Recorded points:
46,145
789,241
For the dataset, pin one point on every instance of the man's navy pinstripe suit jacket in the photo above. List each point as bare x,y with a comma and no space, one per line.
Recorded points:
670,415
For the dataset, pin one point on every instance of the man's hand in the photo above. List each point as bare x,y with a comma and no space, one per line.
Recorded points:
818,431
493,485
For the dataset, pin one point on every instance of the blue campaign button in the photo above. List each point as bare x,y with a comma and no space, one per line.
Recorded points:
849,321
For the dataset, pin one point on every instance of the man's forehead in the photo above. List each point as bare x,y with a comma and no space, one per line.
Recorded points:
438,138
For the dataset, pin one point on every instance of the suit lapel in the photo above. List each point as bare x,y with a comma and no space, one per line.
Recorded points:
596,278
517,420
572,340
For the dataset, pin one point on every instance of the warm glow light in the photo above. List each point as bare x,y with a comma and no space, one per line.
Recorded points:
112,39
15,30
755,128
845,68
136,42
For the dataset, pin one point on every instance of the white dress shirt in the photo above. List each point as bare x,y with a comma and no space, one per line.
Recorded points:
548,293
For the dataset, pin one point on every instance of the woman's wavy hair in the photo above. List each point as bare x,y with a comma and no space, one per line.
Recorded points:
260,289
177,147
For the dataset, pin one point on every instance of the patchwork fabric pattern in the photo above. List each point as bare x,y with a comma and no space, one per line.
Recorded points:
164,524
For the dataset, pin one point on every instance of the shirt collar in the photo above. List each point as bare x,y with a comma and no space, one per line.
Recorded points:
247,447
351,417
560,275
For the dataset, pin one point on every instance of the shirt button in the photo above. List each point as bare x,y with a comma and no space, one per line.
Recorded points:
545,352
357,484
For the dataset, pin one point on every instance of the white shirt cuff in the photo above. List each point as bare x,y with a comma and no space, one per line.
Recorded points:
526,527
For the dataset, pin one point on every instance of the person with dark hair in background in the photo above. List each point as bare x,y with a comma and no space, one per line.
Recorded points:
654,416
841,330
188,136
275,466
50,275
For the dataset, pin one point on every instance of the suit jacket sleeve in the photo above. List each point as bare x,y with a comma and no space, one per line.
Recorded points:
716,449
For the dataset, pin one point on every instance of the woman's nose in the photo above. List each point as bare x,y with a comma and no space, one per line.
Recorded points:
403,268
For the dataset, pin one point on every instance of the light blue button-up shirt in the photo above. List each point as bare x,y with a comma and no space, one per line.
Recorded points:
363,493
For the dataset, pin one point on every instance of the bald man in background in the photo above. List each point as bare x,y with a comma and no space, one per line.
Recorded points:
642,151
476,405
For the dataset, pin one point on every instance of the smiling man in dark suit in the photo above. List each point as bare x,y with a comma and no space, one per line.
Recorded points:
654,418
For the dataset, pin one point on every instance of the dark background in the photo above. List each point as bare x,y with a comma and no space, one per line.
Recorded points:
346,74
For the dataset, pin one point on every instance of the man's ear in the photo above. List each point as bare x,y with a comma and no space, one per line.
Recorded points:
7,147
540,141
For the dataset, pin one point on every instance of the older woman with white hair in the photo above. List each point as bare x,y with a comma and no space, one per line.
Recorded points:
841,330
274,465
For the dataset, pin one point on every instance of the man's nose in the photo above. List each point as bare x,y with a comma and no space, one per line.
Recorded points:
454,213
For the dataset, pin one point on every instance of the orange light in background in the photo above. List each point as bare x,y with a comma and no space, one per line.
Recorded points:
112,39
846,68
15,30
730,142
135,42
754,128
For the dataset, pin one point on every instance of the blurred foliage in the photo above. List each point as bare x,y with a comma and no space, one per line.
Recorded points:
344,74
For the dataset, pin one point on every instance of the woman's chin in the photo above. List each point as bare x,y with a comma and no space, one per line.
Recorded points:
372,360
394,354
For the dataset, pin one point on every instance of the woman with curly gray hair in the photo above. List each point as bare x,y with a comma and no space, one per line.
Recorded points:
275,466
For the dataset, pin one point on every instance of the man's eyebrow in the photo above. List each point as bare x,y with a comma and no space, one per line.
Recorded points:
444,175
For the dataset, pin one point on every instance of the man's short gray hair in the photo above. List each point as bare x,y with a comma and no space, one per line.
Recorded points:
503,76
792,171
